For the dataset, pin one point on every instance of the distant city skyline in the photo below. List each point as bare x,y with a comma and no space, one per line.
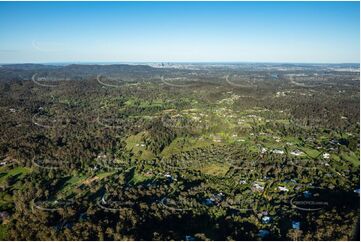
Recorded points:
120,32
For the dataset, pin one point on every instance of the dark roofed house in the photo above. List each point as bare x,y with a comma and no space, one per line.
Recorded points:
208,202
218,197
307,194
190,238
263,233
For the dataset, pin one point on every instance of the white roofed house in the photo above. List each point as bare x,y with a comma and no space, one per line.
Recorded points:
296,152
266,219
278,151
326,155
283,189
7,160
256,187
169,177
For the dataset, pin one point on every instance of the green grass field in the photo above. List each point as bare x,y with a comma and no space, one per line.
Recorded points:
215,169
135,144
3,232
18,171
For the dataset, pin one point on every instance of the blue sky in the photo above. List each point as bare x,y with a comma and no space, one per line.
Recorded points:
317,32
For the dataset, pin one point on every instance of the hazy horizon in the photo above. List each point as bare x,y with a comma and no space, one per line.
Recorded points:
256,32
176,62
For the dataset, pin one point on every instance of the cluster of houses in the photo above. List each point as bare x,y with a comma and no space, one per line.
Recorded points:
265,233
215,199
281,152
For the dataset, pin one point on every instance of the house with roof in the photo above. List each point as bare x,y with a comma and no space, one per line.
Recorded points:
169,177
334,142
257,187
326,155
264,233
296,152
190,238
266,219
218,197
296,224
293,181
266,177
208,202
215,199
278,151
283,189
307,194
